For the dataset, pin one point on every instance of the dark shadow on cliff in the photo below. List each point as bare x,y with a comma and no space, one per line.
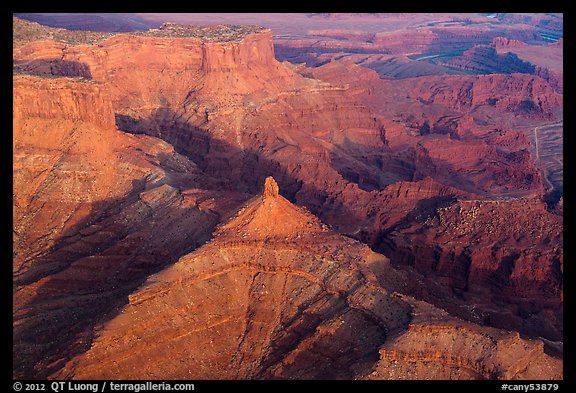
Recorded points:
54,67
245,170
86,277
226,167
373,167
59,321
441,277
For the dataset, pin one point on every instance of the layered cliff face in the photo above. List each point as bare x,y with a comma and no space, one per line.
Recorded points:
443,39
522,94
264,301
438,346
68,99
259,301
504,42
375,159
484,59
189,96
159,68
546,59
387,66
491,251
95,211
449,123
64,154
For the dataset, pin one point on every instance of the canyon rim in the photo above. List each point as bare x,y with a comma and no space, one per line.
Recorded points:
303,196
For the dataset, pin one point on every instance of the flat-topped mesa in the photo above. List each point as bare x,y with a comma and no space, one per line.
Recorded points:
171,62
224,47
218,33
26,31
221,47
271,189
237,48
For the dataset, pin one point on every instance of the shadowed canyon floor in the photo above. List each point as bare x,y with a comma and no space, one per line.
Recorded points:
410,224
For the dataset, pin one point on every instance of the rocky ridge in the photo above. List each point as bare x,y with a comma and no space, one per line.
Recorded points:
86,196
438,346
326,134
258,301
275,305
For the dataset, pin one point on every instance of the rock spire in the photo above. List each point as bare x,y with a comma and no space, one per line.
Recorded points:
271,189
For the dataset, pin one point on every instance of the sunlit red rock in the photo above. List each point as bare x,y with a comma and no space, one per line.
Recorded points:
266,301
156,137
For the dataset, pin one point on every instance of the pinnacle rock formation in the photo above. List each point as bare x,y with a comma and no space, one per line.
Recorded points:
275,294
270,188
143,225
96,210
305,303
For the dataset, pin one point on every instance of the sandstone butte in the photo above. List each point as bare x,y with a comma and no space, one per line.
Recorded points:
276,294
157,137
